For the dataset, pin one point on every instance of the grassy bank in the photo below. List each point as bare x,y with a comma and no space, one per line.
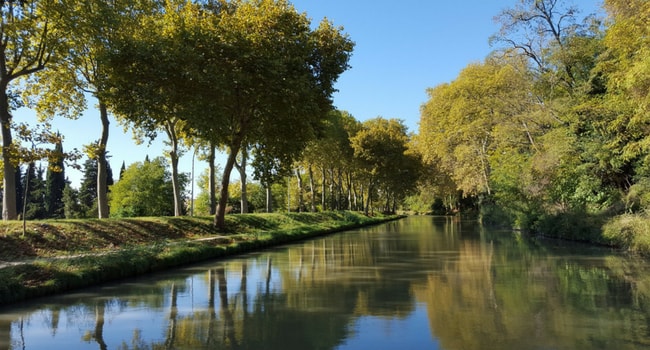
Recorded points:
628,232
60,255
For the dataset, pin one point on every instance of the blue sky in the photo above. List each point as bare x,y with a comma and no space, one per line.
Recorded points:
402,48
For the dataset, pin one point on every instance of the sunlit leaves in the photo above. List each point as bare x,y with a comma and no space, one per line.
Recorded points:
487,110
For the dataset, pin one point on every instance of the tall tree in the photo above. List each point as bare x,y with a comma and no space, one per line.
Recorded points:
34,200
243,73
71,206
151,77
283,79
380,148
92,27
55,184
88,188
30,35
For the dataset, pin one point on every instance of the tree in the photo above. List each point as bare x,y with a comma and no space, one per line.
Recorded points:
489,106
538,29
269,169
243,73
331,152
152,74
34,201
30,35
88,188
92,28
71,207
144,190
241,168
276,75
55,184
380,149
626,72
205,203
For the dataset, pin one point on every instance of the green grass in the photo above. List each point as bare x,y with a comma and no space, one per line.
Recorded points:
112,249
629,231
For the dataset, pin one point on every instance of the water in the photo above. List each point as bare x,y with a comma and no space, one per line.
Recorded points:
418,283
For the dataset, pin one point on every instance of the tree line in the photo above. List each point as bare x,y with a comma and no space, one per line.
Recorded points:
552,125
227,74
253,79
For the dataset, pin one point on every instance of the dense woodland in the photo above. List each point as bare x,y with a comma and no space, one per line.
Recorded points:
548,133
551,131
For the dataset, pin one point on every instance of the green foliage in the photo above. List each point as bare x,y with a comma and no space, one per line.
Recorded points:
629,231
242,76
32,37
88,190
54,185
34,200
72,208
145,189
381,152
550,132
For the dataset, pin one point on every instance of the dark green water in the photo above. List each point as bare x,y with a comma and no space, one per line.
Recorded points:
418,283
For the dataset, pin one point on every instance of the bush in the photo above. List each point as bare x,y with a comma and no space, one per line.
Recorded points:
629,231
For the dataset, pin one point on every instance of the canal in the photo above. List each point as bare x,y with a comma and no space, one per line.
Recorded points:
416,283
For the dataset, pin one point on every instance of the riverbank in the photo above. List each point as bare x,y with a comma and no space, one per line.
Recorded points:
626,232
56,256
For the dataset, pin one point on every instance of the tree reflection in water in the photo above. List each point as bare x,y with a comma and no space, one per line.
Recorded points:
477,288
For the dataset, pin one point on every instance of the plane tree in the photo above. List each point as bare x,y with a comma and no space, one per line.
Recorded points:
234,73
269,81
31,38
380,148
91,29
331,152
150,78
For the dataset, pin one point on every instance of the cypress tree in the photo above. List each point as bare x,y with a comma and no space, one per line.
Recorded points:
122,169
54,185
71,207
34,193
20,190
88,190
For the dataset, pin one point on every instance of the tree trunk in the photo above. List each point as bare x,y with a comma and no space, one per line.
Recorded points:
312,189
269,199
29,171
333,203
339,192
349,183
301,202
322,193
220,216
387,206
9,204
242,177
368,199
362,201
102,173
170,128
212,186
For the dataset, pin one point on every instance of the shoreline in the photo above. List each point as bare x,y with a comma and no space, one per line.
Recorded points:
51,272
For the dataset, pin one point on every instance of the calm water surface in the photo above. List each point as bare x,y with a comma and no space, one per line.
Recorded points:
417,283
